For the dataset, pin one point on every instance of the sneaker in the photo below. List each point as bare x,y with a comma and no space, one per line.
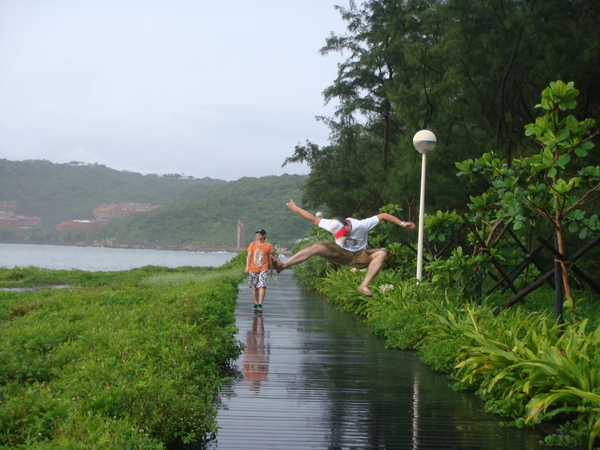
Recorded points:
255,307
260,307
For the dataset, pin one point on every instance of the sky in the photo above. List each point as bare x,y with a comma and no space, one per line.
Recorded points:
202,88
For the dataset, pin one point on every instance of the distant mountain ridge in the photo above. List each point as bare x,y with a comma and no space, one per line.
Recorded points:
58,192
202,211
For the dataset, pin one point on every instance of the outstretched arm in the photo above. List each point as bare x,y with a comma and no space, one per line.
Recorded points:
303,213
389,218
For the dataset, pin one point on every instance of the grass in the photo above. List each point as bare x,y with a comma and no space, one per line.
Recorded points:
127,359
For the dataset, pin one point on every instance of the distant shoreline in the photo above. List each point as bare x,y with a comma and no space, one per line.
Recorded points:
115,243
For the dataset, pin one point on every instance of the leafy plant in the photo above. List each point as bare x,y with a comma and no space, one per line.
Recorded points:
530,363
553,185
133,361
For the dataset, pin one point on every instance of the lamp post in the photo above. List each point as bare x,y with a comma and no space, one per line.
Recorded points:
424,142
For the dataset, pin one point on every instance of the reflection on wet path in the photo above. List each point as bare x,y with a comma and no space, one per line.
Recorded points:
314,377
256,354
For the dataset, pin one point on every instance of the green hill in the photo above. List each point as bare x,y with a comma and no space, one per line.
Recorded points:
212,219
202,211
58,192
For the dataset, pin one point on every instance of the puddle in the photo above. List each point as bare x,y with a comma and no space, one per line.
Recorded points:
35,288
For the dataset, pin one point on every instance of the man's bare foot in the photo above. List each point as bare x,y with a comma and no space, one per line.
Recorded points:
277,264
365,291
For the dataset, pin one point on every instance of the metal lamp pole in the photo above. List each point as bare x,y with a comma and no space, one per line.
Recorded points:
424,142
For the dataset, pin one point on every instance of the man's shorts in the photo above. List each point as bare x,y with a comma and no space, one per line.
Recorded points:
258,280
339,255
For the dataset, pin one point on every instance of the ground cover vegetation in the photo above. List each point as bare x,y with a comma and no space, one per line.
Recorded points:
534,361
129,359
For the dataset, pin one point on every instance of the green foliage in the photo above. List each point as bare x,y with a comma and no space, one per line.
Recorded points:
34,276
443,226
393,238
553,187
401,311
212,219
526,367
569,435
132,360
405,314
447,234
458,269
58,192
437,65
462,260
344,175
573,380
522,365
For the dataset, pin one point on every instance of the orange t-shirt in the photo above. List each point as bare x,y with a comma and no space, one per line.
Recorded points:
259,256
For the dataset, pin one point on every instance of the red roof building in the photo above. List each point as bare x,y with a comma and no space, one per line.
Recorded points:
121,209
9,219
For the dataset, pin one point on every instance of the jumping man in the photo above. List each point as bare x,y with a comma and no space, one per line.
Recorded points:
350,247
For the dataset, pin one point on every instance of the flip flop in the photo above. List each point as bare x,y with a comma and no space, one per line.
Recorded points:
365,291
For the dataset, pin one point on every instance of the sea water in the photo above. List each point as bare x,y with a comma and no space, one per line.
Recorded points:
102,258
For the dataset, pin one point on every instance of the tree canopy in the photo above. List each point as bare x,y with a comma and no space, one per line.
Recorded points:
469,70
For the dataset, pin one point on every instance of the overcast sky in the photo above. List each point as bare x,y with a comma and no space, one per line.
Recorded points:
209,89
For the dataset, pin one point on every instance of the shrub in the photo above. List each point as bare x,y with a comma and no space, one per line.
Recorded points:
521,363
133,362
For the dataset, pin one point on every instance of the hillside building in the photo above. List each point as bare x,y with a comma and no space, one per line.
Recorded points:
76,224
111,211
104,213
9,219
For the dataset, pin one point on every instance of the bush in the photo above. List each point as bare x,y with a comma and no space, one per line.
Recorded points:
521,363
133,362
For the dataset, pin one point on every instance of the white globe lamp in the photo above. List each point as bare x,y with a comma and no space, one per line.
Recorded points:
424,141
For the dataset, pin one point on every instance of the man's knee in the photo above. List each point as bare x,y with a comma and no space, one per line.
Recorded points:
320,249
382,253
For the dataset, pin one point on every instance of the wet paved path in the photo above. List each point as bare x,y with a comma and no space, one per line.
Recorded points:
315,377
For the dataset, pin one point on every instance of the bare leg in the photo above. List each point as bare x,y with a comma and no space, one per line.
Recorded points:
256,296
261,295
377,260
301,256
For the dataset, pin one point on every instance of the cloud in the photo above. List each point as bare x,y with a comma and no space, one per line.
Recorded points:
202,88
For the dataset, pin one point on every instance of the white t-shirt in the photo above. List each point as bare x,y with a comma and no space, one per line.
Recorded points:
358,238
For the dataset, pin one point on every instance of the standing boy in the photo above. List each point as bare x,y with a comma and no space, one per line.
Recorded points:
258,267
